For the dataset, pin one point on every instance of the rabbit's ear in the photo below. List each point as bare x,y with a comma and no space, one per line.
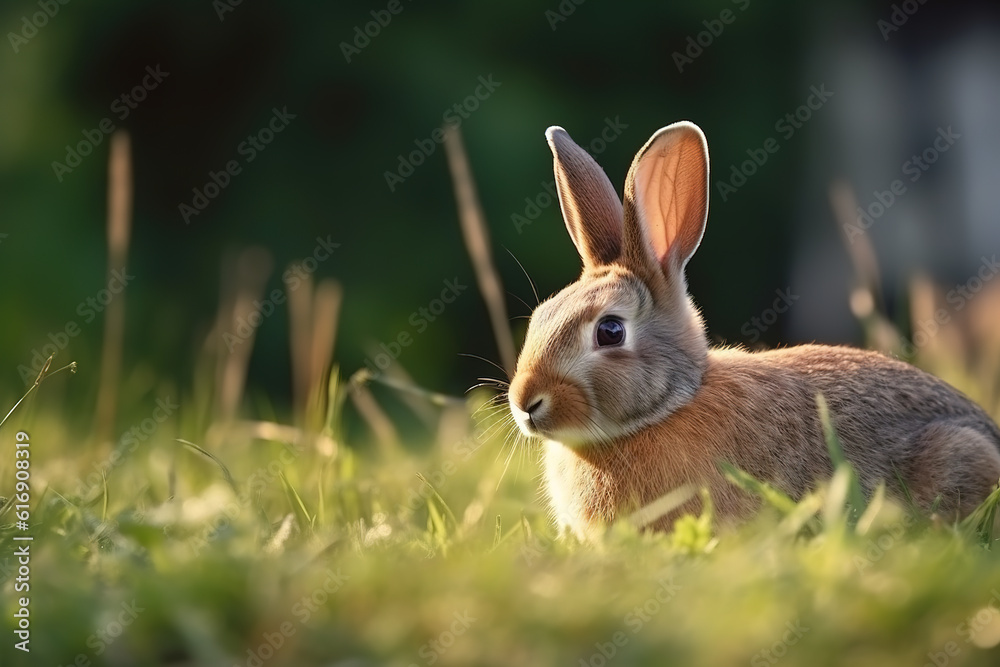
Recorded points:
666,196
589,203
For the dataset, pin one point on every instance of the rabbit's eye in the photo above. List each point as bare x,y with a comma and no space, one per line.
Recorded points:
610,331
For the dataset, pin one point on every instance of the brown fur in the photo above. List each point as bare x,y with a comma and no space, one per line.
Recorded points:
758,412
625,424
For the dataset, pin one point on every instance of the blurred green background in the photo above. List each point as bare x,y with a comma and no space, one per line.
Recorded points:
574,65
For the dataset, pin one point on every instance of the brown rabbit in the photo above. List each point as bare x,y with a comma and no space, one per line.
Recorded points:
617,377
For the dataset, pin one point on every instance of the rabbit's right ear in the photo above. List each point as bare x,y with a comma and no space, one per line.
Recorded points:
666,198
590,205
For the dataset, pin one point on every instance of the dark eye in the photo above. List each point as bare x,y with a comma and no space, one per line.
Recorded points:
610,331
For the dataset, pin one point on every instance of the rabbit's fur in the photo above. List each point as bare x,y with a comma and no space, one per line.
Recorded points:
626,423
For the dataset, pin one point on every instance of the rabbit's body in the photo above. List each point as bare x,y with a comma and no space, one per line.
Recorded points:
758,412
617,377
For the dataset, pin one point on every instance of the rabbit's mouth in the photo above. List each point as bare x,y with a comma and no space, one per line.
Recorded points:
561,414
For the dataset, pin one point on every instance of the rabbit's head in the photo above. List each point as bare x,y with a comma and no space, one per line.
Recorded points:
623,346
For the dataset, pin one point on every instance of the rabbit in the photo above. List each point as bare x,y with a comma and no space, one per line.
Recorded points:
616,375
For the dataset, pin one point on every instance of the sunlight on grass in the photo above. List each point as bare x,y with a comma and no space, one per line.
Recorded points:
279,552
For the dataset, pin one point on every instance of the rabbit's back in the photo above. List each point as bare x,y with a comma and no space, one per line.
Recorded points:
897,422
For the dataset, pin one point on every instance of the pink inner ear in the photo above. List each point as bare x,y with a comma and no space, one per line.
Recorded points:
657,179
671,197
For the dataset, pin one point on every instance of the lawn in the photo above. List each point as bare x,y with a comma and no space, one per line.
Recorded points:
252,543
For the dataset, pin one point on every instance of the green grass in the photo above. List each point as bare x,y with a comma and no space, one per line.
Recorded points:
191,553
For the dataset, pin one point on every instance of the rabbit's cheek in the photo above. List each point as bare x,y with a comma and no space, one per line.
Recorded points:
570,410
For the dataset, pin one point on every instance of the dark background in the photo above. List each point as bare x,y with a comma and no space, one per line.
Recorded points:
324,174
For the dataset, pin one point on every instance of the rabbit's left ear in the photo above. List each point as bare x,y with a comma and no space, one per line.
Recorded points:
590,205
666,196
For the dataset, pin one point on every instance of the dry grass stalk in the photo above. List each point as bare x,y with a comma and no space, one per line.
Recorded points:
394,375
477,242
313,316
246,430
300,317
119,229
866,298
376,418
326,313
253,267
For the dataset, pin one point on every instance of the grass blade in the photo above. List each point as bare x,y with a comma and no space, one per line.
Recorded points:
297,504
854,497
222,466
772,496
981,522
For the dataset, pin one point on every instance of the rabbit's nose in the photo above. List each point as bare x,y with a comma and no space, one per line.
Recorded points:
537,409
